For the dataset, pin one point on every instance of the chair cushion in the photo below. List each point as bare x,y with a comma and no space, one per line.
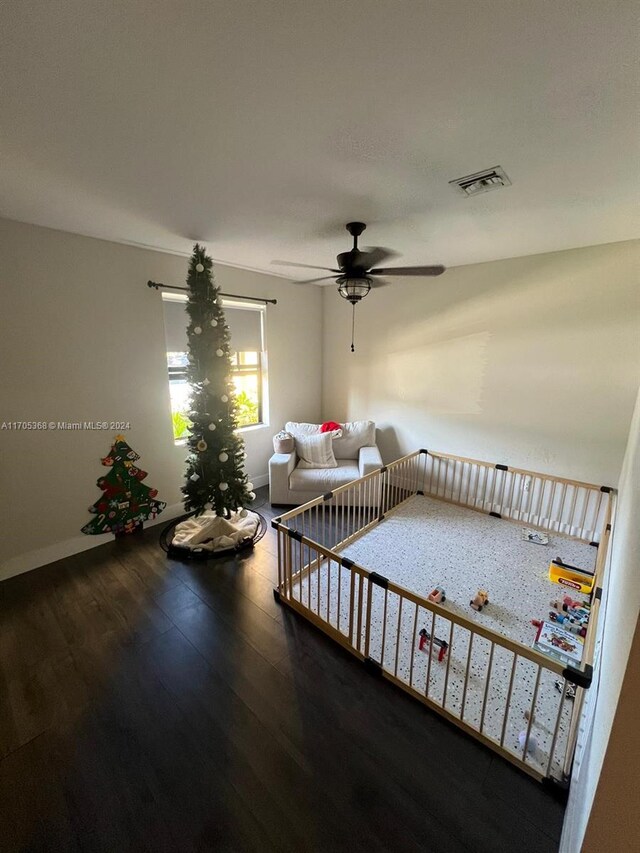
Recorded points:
322,480
355,435
315,451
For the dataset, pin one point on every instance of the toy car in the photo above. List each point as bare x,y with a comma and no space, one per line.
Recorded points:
481,600
437,595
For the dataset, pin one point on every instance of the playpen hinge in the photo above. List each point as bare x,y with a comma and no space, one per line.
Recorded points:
328,496
501,467
558,788
294,534
495,514
275,523
380,580
276,594
579,677
594,544
420,492
605,489
424,450
597,593
347,563
372,666
608,528
383,469
381,517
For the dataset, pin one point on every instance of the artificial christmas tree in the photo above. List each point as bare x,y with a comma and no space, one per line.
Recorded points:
216,489
125,503
215,475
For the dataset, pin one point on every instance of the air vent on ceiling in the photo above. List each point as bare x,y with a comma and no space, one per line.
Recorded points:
482,182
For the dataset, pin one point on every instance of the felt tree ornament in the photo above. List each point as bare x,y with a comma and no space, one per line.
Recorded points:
215,475
125,503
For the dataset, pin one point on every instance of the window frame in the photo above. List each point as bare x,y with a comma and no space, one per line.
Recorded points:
259,370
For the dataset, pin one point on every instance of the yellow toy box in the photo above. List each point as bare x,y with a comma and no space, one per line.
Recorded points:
571,576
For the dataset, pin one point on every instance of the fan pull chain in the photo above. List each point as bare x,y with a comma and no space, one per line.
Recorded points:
353,325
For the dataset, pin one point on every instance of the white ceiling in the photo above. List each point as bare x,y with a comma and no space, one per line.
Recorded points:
262,127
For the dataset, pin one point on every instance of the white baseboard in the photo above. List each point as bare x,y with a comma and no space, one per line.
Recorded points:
68,547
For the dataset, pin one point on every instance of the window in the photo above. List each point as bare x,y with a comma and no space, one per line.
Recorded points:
248,359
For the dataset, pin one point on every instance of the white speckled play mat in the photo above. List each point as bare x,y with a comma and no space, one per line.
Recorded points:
427,543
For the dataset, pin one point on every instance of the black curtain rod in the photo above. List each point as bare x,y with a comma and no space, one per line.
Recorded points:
157,285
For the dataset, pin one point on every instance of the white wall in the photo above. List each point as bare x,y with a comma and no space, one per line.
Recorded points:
622,606
82,339
531,361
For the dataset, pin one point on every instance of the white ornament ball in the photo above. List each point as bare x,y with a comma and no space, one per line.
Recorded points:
212,427
197,330
243,513
195,477
250,486
199,268
223,487
252,496
214,323
223,456
206,382
219,353
224,398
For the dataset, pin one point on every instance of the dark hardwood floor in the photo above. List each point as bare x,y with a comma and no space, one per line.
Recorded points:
153,705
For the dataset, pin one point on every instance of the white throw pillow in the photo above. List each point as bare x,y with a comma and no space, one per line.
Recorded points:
315,450
296,428
355,435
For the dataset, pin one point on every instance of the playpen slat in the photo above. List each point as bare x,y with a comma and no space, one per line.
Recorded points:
395,668
486,688
430,654
556,728
446,675
367,621
466,675
360,589
384,626
531,716
413,645
508,702
352,604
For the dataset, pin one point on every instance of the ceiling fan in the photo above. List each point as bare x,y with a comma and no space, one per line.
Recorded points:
357,272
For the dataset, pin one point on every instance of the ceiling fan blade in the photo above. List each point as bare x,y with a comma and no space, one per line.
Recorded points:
308,266
379,282
313,280
373,255
437,269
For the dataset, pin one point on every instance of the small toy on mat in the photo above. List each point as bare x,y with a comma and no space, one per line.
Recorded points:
535,536
425,639
437,595
481,600
570,692
569,603
569,623
532,745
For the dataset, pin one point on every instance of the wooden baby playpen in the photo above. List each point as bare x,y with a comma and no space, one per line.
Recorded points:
489,685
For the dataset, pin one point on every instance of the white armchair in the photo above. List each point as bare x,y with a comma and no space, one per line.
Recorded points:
356,455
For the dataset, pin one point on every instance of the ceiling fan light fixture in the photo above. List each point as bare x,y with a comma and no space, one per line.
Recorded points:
354,289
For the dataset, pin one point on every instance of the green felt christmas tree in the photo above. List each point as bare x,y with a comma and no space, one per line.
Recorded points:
215,475
125,503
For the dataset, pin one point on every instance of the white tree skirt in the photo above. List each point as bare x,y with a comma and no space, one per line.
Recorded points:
427,543
211,532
